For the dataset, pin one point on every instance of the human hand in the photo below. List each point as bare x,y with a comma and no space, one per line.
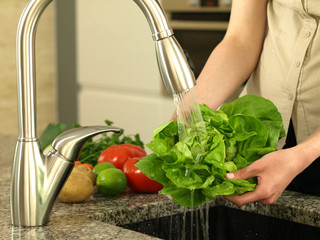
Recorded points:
274,172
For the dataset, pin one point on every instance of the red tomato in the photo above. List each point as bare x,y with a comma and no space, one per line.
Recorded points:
137,181
119,154
137,150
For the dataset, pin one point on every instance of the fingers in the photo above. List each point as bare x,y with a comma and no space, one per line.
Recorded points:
264,192
260,194
243,199
272,180
245,173
238,200
249,198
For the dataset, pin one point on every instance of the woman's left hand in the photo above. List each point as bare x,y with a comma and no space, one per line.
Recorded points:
274,172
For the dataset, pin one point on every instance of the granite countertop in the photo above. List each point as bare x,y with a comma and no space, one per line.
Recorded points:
98,216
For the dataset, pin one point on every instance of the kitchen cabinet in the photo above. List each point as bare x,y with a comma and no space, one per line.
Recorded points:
117,72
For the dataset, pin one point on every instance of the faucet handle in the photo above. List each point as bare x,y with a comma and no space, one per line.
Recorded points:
69,143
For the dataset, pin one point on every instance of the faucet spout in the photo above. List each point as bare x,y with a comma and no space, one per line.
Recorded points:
37,179
69,143
175,71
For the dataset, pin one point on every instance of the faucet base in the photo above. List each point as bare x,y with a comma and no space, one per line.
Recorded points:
33,189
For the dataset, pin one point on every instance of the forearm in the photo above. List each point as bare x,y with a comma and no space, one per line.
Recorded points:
229,65
234,59
308,150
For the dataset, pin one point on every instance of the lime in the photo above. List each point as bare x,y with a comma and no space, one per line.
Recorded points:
111,181
102,166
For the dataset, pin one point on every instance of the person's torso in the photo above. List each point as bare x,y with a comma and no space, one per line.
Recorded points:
288,72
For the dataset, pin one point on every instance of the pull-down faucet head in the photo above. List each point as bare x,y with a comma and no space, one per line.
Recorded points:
37,179
174,68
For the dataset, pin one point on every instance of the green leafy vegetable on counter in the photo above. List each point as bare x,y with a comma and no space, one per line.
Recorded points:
93,147
236,135
50,133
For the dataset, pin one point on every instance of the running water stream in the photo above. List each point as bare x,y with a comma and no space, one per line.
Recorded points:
188,112
194,224
189,116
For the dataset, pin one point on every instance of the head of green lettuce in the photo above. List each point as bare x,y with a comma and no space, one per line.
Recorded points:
192,170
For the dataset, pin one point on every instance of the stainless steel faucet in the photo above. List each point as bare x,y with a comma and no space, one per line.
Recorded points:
37,179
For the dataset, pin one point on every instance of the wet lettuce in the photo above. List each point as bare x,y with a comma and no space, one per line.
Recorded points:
192,170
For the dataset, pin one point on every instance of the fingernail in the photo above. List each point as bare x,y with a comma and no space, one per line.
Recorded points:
229,175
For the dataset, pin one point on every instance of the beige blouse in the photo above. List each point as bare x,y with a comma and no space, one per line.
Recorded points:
288,72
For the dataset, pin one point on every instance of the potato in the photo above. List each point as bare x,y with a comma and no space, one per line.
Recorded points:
77,188
86,171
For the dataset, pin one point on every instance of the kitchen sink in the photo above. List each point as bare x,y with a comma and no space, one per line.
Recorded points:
226,224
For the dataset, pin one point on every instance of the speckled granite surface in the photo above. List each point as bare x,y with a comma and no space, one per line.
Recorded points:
98,216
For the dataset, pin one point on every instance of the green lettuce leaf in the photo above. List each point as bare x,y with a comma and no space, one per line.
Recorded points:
192,169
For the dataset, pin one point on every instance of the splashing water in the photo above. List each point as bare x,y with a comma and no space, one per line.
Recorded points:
189,116
188,112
